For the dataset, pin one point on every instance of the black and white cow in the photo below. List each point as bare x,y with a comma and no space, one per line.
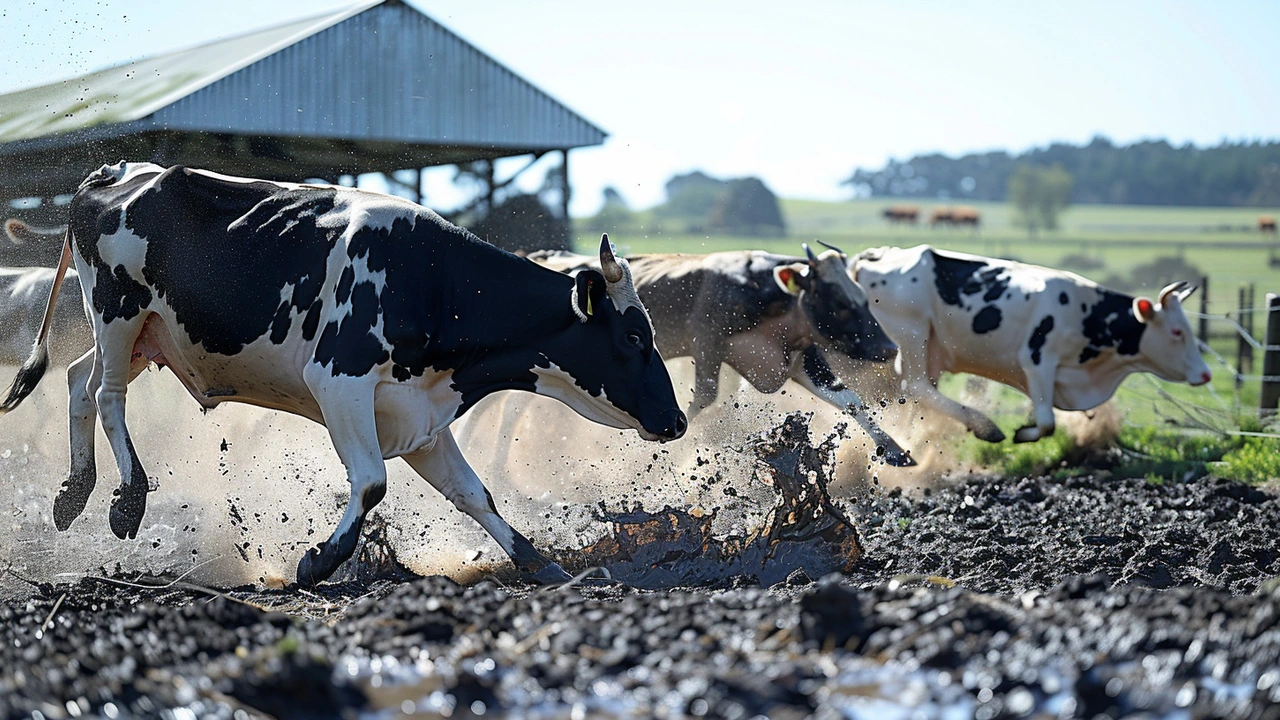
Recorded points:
771,318
23,292
1059,338
363,312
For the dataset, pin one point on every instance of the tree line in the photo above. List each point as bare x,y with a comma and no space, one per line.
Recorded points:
1151,172
699,203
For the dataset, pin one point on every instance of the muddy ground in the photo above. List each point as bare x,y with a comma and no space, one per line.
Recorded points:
988,597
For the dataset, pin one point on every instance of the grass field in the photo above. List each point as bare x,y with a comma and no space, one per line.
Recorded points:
1221,242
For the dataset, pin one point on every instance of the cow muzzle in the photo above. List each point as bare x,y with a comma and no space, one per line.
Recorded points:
671,425
674,428
1204,379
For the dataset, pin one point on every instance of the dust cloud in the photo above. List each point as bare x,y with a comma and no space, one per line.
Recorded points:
243,492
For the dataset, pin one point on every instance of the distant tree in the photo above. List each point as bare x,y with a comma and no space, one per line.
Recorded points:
1151,172
614,215
1039,195
747,208
1154,275
523,223
743,206
691,197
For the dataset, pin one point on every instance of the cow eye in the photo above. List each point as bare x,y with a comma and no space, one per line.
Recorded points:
635,339
1177,333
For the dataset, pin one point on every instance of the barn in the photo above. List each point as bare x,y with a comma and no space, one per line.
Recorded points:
379,87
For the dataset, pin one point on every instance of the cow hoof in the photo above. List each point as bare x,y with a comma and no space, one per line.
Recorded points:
989,433
900,458
1031,433
309,575
72,498
552,574
127,508
68,506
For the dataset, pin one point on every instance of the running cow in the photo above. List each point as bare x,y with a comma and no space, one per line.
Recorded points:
364,312
1059,338
769,317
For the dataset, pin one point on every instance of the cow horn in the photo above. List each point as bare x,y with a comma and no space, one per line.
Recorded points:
808,251
608,263
1170,289
831,247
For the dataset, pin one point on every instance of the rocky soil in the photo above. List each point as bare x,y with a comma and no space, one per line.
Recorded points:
991,597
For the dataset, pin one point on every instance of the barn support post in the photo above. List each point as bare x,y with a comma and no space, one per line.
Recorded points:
1204,309
564,194
1267,404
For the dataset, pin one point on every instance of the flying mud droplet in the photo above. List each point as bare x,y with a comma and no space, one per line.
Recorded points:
803,530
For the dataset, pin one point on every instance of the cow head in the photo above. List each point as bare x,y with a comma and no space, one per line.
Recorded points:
836,306
1168,345
605,366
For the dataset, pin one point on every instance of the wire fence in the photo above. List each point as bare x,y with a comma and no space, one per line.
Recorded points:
1237,324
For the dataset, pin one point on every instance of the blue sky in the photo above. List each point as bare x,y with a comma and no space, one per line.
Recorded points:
798,93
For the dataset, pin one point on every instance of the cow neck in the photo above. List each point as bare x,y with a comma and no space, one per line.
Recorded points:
495,301
498,318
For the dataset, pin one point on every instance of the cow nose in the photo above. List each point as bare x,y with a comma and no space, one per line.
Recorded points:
676,430
1205,377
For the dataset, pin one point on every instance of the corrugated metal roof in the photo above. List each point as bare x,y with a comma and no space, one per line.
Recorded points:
389,74
354,91
136,89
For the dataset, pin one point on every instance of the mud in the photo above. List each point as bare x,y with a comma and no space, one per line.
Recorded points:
803,532
989,597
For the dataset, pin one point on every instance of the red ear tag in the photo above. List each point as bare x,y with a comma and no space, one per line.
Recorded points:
1145,308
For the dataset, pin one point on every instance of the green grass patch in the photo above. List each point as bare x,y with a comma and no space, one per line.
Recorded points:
1257,460
1052,454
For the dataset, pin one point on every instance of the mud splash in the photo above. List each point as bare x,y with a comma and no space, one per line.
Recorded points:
804,535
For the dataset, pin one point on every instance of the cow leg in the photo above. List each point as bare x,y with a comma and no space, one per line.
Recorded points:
1040,381
349,416
116,366
83,378
913,359
447,470
816,376
706,376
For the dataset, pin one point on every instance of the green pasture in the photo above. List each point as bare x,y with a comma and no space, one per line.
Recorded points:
1222,242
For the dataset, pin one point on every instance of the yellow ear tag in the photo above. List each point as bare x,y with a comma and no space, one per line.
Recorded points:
589,310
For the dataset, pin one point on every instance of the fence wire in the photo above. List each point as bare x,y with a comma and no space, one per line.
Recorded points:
1223,418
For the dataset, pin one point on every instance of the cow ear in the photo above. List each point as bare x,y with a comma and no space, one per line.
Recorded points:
1143,309
588,293
792,278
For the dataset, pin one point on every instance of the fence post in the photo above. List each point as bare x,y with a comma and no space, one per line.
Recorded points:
1247,320
1271,359
1204,309
1243,356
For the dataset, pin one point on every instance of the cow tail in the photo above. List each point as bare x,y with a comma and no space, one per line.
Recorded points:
33,369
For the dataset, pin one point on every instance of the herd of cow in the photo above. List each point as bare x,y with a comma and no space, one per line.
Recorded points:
959,216
380,320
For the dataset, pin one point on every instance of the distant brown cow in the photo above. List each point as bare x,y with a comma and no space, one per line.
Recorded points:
1267,224
965,215
901,213
955,216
